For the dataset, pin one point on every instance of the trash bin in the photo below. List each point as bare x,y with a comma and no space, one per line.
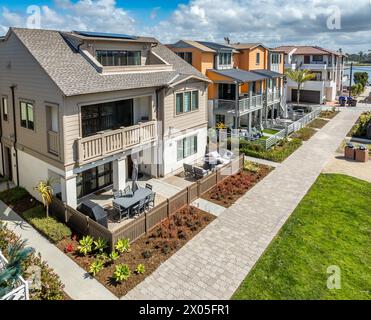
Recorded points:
342,101
354,103
349,152
361,154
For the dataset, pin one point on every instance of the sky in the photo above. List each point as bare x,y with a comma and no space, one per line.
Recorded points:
332,24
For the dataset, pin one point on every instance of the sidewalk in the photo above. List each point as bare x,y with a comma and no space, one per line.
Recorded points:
214,263
78,284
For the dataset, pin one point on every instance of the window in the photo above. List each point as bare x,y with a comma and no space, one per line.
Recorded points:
258,58
225,59
227,91
186,102
318,58
27,115
186,147
4,103
187,56
118,58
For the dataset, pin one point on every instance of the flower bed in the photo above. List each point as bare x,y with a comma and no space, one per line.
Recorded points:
232,188
142,257
318,123
328,114
304,134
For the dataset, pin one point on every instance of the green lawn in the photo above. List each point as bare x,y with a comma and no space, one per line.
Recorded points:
270,131
331,226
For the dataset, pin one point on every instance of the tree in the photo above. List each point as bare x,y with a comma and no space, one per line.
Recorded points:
44,188
300,77
360,56
361,77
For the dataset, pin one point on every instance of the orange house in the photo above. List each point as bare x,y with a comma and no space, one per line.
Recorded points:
245,90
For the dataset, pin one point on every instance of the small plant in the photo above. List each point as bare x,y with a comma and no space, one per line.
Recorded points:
86,244
96,267
122,272
45,189
146,254
113,256
140,269
123,245
100,245
68,248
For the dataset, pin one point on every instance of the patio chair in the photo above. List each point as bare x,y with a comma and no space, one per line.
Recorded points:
149,186
188,170
138,208
121,211
150,201
200,173
127,190
117,194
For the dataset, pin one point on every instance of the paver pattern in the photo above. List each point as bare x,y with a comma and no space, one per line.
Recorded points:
214,263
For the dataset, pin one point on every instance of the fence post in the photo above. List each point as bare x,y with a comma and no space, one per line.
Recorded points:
145,222
168,208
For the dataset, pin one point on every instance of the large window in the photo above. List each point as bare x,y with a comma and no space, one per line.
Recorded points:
187,56
119,58
186,147
27,115
187,102
225,59
4,105
94,179
106,116
317,58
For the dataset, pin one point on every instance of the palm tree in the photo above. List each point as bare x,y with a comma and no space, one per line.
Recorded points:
300,77
17,254
44,188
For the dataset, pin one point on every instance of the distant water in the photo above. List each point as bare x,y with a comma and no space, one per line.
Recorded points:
359,69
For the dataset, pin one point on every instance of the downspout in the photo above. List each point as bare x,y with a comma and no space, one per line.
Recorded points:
15,133
159,160
2,147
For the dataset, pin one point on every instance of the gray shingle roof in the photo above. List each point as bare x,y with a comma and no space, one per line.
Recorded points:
240,75
74,75
268,73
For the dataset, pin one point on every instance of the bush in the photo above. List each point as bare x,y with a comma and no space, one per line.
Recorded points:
304,134
278,153
11,196
360,129
50,227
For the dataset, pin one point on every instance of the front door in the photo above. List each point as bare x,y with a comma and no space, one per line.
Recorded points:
307,59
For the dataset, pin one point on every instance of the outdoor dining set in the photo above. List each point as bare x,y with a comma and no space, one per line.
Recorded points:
131,203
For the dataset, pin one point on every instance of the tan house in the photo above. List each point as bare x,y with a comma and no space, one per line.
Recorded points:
247,81
79,107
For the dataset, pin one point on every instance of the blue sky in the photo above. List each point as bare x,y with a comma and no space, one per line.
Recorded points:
333,24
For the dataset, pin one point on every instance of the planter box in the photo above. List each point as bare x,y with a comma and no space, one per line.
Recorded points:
349,153
361,155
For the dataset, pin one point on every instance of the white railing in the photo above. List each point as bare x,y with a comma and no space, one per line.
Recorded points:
273,97
245,104
293,127
53,142
20,288
110,142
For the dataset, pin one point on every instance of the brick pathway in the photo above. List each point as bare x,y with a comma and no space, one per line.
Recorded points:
214,263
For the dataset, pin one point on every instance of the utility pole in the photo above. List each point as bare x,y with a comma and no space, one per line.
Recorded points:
351,79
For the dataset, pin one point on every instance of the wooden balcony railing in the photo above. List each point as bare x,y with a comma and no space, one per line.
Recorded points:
110,142
53,142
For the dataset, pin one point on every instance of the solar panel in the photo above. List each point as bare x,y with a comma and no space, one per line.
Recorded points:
106,35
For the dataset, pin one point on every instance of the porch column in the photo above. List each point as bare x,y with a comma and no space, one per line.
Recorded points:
237,106
119,174
249,119
272,115
261,117
69,191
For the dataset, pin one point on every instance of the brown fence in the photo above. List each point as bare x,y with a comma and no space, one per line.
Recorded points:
135,229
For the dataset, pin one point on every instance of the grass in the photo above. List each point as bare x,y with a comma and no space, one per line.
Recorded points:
11,196
318,123
270,131
278,153
328,114
304,133
264,138
331,226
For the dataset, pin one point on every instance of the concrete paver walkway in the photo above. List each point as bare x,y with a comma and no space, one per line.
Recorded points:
78,284
214,263
263,161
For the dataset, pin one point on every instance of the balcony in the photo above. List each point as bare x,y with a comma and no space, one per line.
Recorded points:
273,97
53,142
246,105
114,141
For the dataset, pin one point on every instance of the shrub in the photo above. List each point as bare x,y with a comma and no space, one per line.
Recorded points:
100,245
123,245
360,129
252,167
96,267
140,269
13,195
122,272
304,134
55,231
146,254
86,244
113,256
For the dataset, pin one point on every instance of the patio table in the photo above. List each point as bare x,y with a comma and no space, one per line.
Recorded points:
127,202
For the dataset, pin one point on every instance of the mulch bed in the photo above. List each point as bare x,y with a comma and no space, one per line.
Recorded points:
328,114
318,123
234,187
151,250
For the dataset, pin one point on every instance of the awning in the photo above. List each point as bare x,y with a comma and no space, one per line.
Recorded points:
268,73
240,75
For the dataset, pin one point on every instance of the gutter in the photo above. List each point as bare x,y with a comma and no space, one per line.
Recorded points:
2,148
15,132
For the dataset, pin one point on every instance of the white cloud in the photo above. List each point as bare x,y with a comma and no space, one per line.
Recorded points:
154,13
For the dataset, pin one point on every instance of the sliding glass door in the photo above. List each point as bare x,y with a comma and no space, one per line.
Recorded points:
94,179
106,116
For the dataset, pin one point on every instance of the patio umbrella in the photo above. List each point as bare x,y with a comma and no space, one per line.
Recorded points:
134,176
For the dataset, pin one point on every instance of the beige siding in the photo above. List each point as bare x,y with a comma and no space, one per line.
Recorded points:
72,121
186,120
18,67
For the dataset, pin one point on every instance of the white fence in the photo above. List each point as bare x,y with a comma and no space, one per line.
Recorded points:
20,289
293,127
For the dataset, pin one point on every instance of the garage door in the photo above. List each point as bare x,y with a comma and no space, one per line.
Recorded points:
306,96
